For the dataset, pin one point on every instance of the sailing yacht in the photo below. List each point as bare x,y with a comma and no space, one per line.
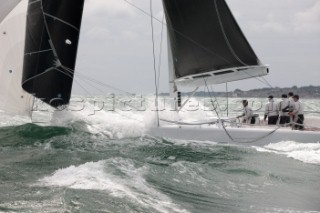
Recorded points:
39,42
206,46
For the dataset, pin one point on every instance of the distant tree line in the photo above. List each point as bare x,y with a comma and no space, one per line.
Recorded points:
303,92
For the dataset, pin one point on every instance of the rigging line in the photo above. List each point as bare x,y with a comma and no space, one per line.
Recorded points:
180,33
153,50
216,100
257,79
160,53
154,64
225,36
214,108
224,128
79,74
85,80
115,111
267,82
260,138
104,84
88,93
92,85
82,87
138,8
227,99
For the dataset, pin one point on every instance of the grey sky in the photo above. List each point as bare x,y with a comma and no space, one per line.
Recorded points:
116,48
6,7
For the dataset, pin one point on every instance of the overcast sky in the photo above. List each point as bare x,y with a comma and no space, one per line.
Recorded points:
116,48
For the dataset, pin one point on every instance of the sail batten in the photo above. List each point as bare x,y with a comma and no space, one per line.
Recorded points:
205,37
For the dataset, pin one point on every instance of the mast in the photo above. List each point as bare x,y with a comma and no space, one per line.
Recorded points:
172,77
174,93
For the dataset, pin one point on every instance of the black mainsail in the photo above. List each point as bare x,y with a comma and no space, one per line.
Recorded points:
206,41
52,35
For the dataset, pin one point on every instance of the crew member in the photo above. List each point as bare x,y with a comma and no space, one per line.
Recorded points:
290,101
247,115
290,106
282,105
297,113
271,112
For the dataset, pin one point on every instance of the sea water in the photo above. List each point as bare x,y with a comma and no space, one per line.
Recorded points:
95,157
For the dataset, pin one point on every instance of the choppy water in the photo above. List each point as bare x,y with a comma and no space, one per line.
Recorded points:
104,163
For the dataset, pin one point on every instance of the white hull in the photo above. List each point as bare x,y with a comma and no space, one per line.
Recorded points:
250,136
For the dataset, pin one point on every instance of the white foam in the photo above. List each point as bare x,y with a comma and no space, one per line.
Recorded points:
9,120
86,176
118,177
114,124
120,123
305,152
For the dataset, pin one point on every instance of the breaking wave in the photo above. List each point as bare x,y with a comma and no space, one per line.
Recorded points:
305,152
117,177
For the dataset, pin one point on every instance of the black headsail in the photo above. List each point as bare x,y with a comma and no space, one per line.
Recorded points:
52,35
204,37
